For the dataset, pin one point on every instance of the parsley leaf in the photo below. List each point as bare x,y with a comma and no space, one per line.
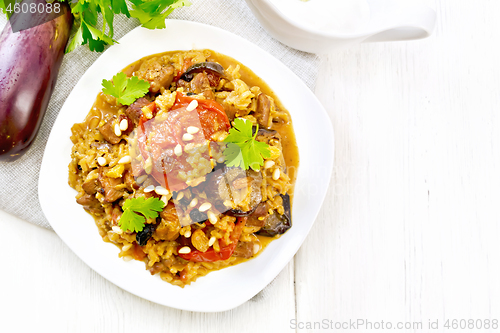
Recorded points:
136,210
77,38
152,13
126,90
242,149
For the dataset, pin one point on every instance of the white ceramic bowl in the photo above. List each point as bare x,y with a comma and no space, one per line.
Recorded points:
229,287
388,20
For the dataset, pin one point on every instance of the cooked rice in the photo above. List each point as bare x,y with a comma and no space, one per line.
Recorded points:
92,154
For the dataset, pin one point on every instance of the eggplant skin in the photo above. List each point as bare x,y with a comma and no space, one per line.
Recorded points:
30,61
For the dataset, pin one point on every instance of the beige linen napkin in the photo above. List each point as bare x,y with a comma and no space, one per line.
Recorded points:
19,179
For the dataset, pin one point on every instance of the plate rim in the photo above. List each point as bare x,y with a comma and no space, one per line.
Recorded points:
44,185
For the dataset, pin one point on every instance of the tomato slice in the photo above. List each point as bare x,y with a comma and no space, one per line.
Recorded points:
187,63
159,136
138,252
226,250
212,116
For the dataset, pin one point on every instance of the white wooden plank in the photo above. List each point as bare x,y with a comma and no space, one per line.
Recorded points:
409,230
46,288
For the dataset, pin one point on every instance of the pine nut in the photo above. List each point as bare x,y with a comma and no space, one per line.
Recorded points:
212,217
118,132
165,198
192,130
193,202
161,190
123,125
141,179
185,250
268,164
125,160
205,206
193,105
178,150
148,189
187,137
276,174
102,161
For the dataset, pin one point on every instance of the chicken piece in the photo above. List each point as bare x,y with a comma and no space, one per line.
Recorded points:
244,250
159,75
169,227
262,114
108,132
108,184
200,84
90,203
130,125
91,186
130,182
134,111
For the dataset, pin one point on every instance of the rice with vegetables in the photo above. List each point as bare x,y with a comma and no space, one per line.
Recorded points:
187,162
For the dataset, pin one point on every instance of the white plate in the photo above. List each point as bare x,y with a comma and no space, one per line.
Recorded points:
221,290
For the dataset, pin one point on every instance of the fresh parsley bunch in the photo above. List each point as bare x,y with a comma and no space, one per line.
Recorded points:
151,14
88,13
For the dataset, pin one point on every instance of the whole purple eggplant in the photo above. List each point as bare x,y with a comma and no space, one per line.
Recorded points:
29,64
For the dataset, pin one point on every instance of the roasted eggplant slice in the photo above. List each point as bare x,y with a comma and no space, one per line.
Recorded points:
240,213
143,236
259,216
197,216
277,224
208,67
240,187
264,135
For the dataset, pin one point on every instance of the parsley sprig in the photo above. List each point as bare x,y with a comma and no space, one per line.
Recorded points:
151,14
243,150
126,90
136,210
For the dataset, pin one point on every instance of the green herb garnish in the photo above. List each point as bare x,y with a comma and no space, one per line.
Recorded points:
126,90
151,14
243,150
94,19
136,210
